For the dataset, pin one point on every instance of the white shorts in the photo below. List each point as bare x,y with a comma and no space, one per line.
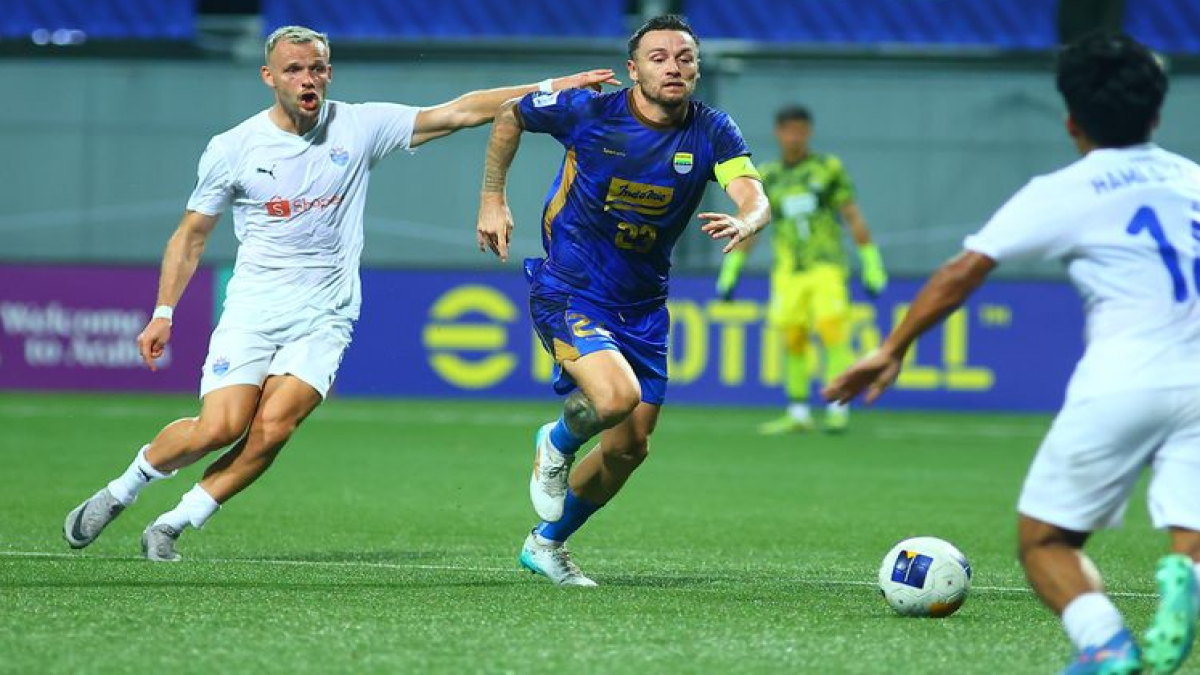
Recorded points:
1090,461
249,346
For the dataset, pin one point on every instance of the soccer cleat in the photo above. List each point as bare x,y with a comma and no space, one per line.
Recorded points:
785,425
1118,656
837,421
158,543
88,520
552,562
1169,639
548,485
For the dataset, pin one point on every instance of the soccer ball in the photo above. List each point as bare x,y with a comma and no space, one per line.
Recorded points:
925,576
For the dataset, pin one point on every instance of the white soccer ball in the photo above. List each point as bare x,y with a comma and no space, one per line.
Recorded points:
925,576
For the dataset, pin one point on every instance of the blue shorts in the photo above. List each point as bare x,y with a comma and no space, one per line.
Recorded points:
570,327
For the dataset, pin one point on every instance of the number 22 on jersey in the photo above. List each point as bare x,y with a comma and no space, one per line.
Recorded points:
639,238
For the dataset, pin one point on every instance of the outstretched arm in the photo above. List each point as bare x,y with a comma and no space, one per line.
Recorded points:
179,263
494,225
948,288
479,107
754,212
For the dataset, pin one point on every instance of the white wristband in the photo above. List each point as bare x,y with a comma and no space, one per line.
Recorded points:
546,86
164,312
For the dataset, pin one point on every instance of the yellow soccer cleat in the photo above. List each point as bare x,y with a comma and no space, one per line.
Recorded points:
786,424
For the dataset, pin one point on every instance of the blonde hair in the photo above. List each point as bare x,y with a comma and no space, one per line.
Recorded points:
294,35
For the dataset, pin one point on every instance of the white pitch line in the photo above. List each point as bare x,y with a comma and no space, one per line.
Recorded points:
493,570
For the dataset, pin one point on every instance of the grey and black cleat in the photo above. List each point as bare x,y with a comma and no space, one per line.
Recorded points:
88,520
158,543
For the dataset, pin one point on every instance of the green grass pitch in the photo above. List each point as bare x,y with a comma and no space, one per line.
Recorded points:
384,540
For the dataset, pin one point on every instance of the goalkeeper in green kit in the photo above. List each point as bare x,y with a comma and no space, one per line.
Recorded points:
811,198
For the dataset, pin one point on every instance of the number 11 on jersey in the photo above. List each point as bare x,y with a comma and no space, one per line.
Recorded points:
1146,220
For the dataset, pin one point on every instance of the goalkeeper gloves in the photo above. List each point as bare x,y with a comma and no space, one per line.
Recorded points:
731,270
874,277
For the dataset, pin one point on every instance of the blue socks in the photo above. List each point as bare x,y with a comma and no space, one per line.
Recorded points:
562,438
575,513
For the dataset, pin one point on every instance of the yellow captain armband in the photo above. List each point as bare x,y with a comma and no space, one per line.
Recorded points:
735,168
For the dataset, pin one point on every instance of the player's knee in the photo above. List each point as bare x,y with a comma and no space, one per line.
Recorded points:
274,430
832,330
212,434
612,409
632,452
1034,537
796,340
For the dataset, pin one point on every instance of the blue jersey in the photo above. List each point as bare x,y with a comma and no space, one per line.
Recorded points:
626,190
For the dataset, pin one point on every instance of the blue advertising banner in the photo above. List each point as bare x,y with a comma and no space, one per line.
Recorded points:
468,334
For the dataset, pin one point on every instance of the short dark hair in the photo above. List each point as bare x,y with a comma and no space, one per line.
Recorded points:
793,113
1113,87
664,22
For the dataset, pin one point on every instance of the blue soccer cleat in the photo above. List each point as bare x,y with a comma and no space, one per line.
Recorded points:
1118,656
1169,639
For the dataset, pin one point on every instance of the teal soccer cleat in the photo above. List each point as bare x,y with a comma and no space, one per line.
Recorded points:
1169,639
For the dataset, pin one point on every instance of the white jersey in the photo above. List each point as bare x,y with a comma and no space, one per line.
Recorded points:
1126,223
298,203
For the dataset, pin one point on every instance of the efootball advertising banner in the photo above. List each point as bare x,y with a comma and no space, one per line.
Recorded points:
76,328
468,334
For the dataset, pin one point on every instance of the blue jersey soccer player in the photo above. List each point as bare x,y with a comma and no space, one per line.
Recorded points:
636,167
1123,221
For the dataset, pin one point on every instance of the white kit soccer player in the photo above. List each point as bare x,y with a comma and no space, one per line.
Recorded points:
298,206
1126,222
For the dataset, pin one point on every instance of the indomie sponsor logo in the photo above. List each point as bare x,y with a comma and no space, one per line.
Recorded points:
279,207
638,197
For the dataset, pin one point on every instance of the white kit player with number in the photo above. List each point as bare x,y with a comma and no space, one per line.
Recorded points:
298,214
1126,223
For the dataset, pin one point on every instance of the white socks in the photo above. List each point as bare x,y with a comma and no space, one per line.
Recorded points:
799,412
195,508
139,474
836,407
1091,620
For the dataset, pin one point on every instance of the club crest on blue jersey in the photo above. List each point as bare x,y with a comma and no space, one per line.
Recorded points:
682,162
339,155
220,366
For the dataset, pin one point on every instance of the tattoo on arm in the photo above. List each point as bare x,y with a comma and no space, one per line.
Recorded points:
502,147
580,416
